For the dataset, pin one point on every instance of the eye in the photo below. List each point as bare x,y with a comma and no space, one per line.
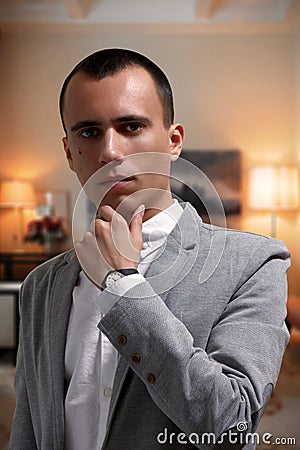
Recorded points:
133,127
89,133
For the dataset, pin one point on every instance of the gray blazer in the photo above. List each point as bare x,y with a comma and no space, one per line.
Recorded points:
207,324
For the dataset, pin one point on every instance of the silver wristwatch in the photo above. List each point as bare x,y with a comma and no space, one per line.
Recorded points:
113,275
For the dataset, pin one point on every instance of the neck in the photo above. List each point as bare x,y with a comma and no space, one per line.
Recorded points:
152,211
155,201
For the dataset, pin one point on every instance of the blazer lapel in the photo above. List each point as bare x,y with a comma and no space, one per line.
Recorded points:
179,255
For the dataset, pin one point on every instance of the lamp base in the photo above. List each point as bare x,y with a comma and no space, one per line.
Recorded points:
273,224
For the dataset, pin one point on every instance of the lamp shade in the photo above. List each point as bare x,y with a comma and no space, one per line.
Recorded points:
16,194
273,188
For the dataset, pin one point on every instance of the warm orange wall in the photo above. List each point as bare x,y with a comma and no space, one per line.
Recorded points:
297,57
231,91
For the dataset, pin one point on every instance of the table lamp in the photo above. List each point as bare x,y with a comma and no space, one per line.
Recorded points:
17,195
273,189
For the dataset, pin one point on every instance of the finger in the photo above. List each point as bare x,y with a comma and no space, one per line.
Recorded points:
136,222
105,213
109,218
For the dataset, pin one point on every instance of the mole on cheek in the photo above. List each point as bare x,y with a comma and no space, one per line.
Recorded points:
80,152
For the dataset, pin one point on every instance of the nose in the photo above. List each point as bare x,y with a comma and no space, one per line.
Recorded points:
111,147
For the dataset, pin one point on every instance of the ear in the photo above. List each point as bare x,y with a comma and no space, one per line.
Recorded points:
176,140
68,153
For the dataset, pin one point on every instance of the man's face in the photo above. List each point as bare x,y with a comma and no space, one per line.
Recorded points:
110,119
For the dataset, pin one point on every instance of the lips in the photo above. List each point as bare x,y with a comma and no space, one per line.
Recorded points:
115,184
116,180
121,183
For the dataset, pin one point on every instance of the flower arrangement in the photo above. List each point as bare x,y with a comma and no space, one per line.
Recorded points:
47,230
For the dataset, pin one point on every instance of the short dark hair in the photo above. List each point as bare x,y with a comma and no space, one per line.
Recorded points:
113,60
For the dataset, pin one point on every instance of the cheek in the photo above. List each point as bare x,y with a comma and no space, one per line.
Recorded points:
85,164
84,159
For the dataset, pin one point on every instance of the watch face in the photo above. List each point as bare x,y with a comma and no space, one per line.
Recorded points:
112,277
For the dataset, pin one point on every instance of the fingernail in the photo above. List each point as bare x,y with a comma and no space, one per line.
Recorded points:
140,209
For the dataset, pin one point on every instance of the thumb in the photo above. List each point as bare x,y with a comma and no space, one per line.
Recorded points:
136,223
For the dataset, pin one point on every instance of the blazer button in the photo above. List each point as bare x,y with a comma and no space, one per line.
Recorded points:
136,358
122,339
150,378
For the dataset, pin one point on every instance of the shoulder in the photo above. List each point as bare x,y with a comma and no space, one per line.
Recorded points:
236,243
236,256
47,270
248,243
246,240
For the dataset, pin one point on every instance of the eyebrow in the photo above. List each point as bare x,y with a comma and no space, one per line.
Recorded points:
85,123
133,118
123,119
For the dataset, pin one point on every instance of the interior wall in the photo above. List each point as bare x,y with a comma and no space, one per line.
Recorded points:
292,231
231,91
297,59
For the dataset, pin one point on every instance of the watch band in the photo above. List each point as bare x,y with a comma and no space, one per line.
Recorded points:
114,275
126,272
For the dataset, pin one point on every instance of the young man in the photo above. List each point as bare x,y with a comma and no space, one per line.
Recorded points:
128,350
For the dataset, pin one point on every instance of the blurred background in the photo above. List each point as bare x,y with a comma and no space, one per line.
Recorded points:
234,66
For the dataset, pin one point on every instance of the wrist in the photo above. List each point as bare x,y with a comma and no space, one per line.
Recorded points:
114,275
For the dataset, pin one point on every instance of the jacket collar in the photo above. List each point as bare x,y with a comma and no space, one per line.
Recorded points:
179,255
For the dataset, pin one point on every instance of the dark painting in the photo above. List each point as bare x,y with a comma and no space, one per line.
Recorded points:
211,182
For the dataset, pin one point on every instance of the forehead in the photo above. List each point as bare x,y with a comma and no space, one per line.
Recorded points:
131,90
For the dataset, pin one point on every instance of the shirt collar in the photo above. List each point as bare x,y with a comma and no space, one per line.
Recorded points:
158,227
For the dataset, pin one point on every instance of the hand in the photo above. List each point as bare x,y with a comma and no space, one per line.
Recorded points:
115,244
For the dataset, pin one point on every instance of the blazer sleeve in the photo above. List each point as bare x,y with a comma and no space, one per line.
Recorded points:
226,385
22,434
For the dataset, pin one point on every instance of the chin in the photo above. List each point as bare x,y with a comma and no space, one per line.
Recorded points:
114,202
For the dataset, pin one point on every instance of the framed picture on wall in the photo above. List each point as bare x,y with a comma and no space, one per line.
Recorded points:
223,168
